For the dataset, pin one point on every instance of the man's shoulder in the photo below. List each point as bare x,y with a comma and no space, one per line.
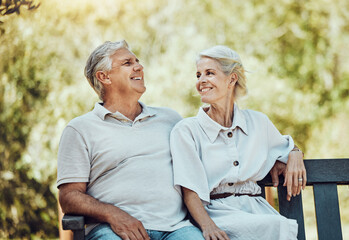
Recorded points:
166,112
82,120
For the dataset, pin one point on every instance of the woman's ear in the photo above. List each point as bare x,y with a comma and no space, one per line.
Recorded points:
233,79
103,77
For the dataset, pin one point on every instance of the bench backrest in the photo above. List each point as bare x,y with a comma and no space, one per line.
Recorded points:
324,175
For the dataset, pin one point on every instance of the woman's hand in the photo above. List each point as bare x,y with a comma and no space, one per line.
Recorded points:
296,176
212,232
209,229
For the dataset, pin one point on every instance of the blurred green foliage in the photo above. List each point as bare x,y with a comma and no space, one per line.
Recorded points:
296,53
8,7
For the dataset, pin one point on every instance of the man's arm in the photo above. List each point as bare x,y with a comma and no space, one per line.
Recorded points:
74,200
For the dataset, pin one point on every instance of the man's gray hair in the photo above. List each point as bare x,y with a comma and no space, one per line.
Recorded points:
100,60
230,62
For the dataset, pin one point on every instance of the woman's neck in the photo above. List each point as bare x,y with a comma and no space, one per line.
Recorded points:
223,114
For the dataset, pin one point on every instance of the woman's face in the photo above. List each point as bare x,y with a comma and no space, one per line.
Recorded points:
212,84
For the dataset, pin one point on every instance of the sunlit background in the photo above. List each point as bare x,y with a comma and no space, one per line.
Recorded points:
296,52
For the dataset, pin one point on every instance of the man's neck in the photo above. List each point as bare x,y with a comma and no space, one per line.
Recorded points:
130,109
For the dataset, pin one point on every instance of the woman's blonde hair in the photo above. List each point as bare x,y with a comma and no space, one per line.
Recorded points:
229,62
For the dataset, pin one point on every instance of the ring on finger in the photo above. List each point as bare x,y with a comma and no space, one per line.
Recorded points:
300,179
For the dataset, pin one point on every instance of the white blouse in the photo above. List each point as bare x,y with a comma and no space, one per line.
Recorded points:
209,158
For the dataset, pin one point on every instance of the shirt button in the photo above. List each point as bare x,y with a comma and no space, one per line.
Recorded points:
230,134
236,163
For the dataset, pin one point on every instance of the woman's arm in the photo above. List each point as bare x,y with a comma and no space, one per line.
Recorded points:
199,214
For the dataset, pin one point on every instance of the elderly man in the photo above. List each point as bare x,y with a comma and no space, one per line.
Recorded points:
114,163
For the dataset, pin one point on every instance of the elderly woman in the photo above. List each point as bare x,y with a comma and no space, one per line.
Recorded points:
220,154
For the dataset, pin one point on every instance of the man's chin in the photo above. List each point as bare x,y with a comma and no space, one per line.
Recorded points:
141,90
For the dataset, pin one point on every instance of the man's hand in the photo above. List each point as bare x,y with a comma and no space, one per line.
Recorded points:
127,227
74,200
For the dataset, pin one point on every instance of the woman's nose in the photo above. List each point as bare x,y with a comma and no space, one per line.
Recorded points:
202,79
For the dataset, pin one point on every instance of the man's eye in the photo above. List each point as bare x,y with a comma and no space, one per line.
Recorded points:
127,63
209,73
198,75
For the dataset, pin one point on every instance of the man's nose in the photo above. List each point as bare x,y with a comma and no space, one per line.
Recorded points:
138,67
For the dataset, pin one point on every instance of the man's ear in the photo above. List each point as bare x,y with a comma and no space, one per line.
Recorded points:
103,77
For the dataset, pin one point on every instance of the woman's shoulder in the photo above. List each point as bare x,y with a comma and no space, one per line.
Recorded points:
253,114
188,123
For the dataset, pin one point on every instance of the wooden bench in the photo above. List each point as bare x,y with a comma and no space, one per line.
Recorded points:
323,174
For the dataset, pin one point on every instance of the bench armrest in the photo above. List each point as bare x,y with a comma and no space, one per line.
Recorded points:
76,224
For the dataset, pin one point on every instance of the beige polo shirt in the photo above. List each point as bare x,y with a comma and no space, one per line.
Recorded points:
125,163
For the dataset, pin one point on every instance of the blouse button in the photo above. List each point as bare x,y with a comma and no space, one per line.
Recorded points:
230,134
236,163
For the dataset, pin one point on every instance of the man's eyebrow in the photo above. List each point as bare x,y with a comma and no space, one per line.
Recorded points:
125,59
129,59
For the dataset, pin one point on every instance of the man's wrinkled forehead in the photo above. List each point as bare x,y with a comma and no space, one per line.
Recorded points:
123,54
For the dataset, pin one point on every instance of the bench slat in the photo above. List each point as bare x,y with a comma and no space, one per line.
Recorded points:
327,211
292,209
327,170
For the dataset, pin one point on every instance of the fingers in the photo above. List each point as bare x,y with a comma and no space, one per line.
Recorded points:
288,183
131,236
207,237
296,184
124,236
225,236
216,234
143,233
274,177
133,231
304,178
219,236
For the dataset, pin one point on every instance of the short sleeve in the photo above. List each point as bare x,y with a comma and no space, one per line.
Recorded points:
188,169
73,160
279,146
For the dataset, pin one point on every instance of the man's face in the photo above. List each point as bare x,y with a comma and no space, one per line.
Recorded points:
126,75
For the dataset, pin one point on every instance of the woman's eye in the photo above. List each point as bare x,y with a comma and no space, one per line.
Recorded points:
127,63
198,75
209,73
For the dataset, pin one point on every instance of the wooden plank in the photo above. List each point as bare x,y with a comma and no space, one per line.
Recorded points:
292,209
327,170
263,190
327,211
76,224
79,234
322,171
